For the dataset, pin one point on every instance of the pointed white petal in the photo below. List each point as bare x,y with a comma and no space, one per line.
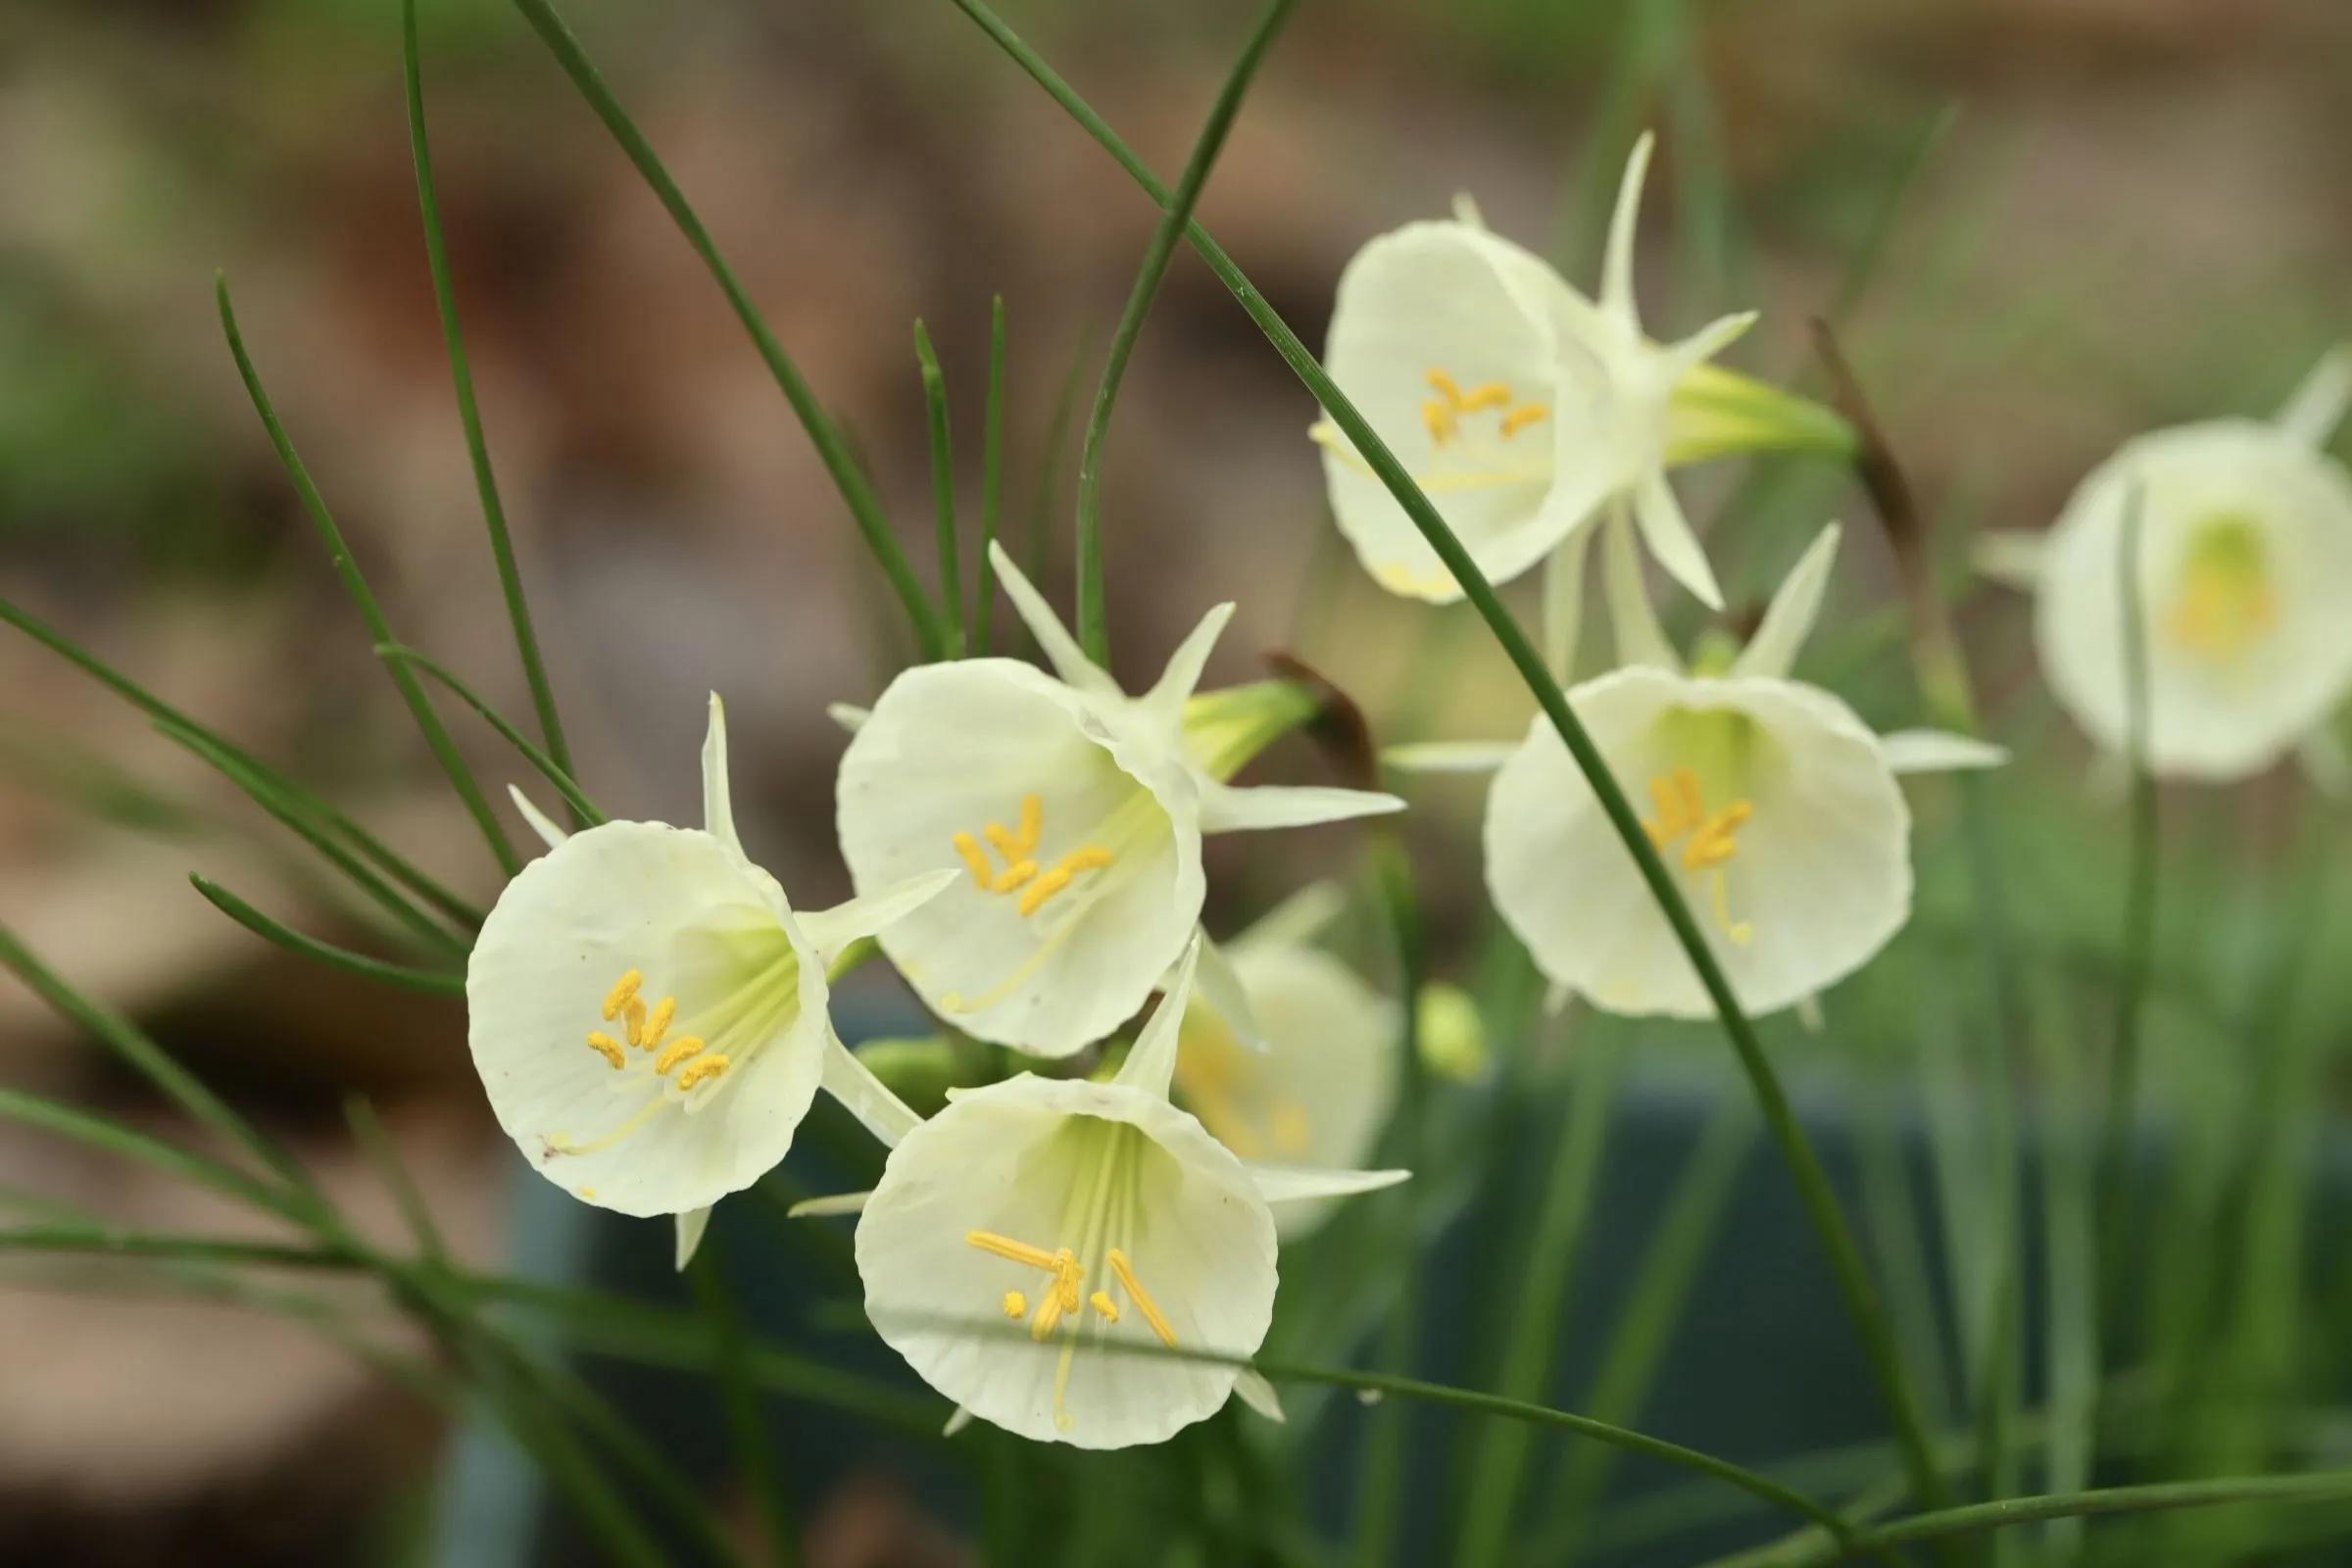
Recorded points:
1294,1184
1221,989
1936,750
1809,1013
849,716
1466,210
1165,700
1061,650
956,1422
2010,557
1153,1062
691,1226
1564,602
1708,341
1258,1394
1772,652
1641,640
865,1095
1448,757
829,1206
1617,265
718,810
541,823
1556,998
2326,762
1229,808
1296,921
2317,406
830,931
1667,534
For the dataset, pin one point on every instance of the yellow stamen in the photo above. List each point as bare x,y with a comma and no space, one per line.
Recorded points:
1520,418
974,857
678,1050
1102,1302
1049,1314
656,1023
1446,387
1033,822
605,1045
1014,876
698,1071
1695,803
623,989
1001,837
1093,858
1013,1251
1016,1306
1439,417
634,1011
1493,395
1666,826
1740,932
1045,887
1067,1276
1144,1304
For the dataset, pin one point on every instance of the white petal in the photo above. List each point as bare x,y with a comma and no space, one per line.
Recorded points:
1789,620
1466,210
1809,1014
1152,1060
1258,1394
718,811
1617,264
1564,602
690,1228
958,1420
1041,1162
1232,808
1221,989
866,1096
1061,650
1165,700
1290,1184
1707,342
849,716
833,930
831,1205
2010,557
1934,750
1641,640
703,926
1820,878
1667,534
2317,406
541,823
1448,757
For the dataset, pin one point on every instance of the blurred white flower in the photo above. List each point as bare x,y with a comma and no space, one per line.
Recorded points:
648,1012
1030,1246
1072,816
2245,570
1773,806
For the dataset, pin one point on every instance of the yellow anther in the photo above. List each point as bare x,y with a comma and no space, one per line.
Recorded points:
1144,1304
634,1011
1014,876
1493,395
701,1071
656,1023
1102,1302
1439,418
1016,1306
1695,803
1045,887
974,857
623,989
675,1051
1067,1277
1520,418
1093,858
605,1045
1049,1314
1666,826
1001,837
1033,822
1013,1251
1446,387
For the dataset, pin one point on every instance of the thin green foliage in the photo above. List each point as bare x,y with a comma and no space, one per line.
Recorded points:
942,489
584,811
369,1132
437,982
2140,894
992,478
112,1138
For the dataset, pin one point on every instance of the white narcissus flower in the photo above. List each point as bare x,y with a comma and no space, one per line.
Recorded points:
1775,808
2246,570
1523,409
1320,1091
1072,816
1032,1248
648,1012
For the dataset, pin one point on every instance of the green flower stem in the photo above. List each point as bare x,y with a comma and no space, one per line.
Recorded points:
1813,1184
1176,217
942,489
1043,503
747,1423
66,1121
2139,895
865,510
584,811
440,983
992,477
470,417
428,722
314,809
368,1131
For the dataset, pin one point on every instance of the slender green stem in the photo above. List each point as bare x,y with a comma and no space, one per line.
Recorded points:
437,982
114,1138
355,583
1176,217
747,1422
866,509
368,1130
1821,1203
470,417
992,477
2139,897
942,489
584,811
324,817
1043,503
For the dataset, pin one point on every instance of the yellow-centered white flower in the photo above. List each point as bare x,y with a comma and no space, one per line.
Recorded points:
1032,1248
1072,816
1775,808
1320,1091
2244,572
1521,406
648,1012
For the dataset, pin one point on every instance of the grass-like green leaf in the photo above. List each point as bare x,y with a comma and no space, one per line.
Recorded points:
585,810
992,478
942,489
438,982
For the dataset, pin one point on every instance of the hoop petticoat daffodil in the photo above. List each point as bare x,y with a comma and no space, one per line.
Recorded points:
648,1012
1775,808
2246,570
1072,816
1521,408
1034,1248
